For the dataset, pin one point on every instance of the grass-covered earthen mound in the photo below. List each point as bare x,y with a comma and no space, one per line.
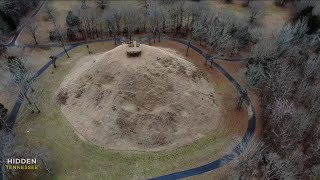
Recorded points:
152,102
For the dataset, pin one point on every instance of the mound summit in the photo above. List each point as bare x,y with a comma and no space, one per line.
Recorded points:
148,103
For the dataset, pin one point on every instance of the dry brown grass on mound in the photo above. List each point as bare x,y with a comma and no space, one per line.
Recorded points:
153,102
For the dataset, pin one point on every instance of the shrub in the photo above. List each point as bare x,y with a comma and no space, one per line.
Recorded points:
55,35
71,34
3,114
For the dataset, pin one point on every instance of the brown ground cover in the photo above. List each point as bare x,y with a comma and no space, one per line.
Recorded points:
153,102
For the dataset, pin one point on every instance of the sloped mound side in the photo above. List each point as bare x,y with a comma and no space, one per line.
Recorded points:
148,103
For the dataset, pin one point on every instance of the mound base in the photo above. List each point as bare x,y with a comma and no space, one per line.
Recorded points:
148,103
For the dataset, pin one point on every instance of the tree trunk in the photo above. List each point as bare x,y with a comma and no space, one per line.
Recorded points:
64,48
192,22
3,172
30,103
25,95
188,48
177,24
53,59
240,102
118,29
82,34
35,39
101,30
187,31
115,39
180,22
35,105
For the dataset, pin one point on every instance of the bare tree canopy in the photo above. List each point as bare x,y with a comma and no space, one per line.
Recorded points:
12,147
32,27
283,70
21,77
102,4
11,11
3,115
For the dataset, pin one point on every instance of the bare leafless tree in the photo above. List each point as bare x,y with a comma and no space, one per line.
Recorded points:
32,27
6,150
130,20
3,50
283,69
3,116
13,147
21,76
102,4
117,15
249,156
247,163
83,4
256,11
59,37
53,59
51,13
111,23
57,33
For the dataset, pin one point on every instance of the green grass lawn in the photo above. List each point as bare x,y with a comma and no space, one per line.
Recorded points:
73,158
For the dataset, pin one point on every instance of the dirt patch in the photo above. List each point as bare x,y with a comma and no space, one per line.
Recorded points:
62,97
149,103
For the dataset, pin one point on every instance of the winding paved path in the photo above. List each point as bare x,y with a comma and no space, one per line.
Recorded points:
229,156
19,30
238,149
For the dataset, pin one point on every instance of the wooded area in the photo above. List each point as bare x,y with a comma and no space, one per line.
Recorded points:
282,68
11,11
187,19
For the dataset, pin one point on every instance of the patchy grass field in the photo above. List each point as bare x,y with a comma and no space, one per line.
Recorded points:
75,159
60,8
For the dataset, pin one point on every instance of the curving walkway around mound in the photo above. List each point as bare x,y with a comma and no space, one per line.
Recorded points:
222,161
229,156
246,138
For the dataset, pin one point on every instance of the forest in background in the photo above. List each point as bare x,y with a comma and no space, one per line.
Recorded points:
282,67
